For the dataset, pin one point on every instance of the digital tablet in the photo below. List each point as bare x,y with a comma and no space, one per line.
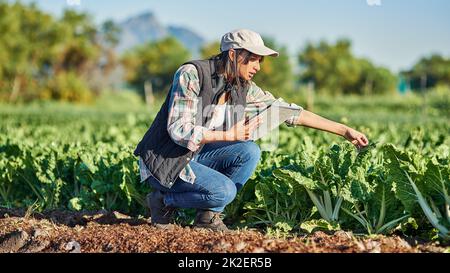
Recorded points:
272,116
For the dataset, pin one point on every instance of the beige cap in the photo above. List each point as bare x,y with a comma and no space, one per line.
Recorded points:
246,39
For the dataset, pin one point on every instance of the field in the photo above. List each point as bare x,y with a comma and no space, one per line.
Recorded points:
101,231
67,174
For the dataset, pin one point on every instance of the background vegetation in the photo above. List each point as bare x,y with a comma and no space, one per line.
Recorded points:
71,59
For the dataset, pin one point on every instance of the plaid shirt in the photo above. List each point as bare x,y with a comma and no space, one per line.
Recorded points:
183,107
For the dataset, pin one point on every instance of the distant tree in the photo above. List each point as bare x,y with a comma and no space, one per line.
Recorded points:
375,80
28,41
429,72
110,32
155,62
210,50
38,54
81,49
76,59
334,69
323,63
110,38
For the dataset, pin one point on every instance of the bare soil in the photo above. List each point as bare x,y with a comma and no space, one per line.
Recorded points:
63,231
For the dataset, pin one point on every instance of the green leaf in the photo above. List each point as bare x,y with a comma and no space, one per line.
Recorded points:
89,163
290,175
429,213
398,177
437,183
321,224
283,226
75,204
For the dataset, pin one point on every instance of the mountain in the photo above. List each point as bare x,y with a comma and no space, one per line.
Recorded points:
145,27
190,39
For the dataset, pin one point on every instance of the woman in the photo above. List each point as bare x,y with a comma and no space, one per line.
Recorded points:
197,152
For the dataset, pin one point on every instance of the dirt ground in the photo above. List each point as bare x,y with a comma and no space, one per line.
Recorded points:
62,231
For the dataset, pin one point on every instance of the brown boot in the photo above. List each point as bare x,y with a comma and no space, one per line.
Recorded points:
161,215
210,220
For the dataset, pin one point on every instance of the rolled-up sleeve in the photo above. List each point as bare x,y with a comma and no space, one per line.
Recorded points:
184,107
258,99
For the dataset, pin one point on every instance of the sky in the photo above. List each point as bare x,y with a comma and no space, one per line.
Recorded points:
391,33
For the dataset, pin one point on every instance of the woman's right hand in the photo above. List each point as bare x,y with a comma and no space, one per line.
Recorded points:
356,138
242,130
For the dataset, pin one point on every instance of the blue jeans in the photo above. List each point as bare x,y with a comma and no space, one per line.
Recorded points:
221,169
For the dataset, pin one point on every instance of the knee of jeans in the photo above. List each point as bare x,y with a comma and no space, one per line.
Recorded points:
226,193
251,151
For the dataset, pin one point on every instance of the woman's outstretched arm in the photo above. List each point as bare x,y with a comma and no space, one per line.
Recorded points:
311,120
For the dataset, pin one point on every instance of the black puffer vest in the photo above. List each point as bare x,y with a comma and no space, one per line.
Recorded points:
161,155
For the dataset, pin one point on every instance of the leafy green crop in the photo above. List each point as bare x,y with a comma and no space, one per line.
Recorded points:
66,158
426,187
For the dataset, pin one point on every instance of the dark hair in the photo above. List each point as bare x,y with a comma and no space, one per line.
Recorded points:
229,68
